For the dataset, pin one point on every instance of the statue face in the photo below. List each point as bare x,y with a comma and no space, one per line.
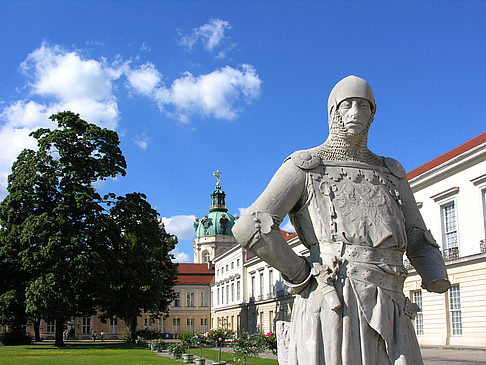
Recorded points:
355,114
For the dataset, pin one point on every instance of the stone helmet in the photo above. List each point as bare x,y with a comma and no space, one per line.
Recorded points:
350,87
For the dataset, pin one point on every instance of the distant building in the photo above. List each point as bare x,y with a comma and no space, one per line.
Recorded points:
451,194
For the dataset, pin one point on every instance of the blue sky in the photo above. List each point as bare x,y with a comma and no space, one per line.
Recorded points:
192,87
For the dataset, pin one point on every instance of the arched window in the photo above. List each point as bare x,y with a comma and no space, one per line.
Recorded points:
207,257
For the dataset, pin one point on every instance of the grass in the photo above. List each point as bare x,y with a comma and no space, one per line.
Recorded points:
228,357
92,354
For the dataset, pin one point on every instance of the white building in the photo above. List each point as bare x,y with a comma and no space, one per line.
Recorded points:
451,194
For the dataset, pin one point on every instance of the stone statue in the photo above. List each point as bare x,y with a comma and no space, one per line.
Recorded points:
356,214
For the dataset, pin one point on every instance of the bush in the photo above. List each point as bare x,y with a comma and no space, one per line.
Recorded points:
158,345
176,349
148,334
247,345
15,338
269,342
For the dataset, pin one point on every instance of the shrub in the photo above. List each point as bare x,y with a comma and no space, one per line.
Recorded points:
16,338
269,342
158,345
176,349
247,345
219,336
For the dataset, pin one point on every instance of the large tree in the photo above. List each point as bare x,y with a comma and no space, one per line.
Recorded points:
141,274
53,223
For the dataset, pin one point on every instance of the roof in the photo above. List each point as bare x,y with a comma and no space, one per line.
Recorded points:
195,274
476,141
287,235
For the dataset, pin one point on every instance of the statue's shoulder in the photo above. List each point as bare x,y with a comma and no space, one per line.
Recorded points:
395,167
305,159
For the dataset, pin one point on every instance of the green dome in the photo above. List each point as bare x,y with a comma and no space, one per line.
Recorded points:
218,222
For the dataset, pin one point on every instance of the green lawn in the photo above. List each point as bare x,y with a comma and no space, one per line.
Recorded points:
228,357
75,354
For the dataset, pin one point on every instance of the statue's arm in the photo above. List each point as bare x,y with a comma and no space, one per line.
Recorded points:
422,250
258,228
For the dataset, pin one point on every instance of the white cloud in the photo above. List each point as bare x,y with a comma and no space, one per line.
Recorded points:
142,141
242,210
211,95
63,81
211,35
180,256
144,79
180,225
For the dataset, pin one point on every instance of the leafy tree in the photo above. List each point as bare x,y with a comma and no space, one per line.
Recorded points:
53,226
141,273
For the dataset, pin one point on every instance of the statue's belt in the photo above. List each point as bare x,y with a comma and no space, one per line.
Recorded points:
358,263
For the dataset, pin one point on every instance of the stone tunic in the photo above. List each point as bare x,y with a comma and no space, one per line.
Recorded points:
350,218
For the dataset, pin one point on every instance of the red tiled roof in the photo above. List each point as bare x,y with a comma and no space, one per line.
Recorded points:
476,141
194,274
288,236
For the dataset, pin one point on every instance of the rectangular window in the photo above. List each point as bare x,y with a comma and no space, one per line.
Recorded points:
419,318
271,287
204,299
163,325
253,286
177,300
190,302
226,268
51,327
114,326
190,324
176,325
262,284
204,324
270,319
238,290
227,293
232,265
222,294
218,296
232,292
449,227
147,324
455,308
237,262
86,325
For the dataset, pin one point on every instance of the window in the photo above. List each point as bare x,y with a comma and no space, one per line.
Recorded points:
204,299
177,300
147,324
232,265
176,325
270,319
86,325
226,268
227,293
237,262
51,327
114,326
190,299
207,257
271,287
232,291
163,325
217,272
190,325
218,297
253,286
419,318
222,294
449,228
204,324
262,284
455,308
238,288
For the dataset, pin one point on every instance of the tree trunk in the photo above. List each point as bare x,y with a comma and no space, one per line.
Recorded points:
133,328
36,331
59,330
